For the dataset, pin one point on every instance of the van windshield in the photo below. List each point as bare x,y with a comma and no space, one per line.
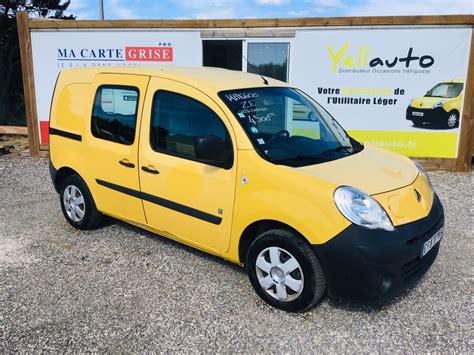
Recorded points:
445,90
288,127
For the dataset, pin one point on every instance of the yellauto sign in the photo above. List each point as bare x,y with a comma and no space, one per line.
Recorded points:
343,60
369,79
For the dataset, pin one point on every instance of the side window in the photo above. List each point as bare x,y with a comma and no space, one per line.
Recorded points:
114,115
178,121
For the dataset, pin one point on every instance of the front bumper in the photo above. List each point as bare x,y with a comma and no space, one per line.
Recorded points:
373,265
430,115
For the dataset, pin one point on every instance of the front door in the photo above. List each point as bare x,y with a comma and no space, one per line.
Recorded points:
183,196
112,145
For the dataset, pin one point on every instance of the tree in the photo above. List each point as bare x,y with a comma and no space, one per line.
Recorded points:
12,105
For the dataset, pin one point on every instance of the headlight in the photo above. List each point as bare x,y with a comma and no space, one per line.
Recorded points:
439,104
425,174
361,209
411,101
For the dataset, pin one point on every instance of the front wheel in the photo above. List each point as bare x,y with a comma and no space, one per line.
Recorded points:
452,120
285,272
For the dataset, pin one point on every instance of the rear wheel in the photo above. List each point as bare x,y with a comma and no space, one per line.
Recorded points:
77,204
284,271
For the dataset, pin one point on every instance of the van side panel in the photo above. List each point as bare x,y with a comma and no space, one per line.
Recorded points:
67,124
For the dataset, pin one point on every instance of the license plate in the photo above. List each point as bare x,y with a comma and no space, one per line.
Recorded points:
418,114
430,243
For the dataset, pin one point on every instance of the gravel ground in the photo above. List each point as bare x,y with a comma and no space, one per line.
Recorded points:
123,289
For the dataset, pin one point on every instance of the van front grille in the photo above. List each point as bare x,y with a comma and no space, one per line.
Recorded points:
418,266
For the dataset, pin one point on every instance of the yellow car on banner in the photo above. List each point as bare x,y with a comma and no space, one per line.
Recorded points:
441,105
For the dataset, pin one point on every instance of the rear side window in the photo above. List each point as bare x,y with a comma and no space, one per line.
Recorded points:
176,122
114,115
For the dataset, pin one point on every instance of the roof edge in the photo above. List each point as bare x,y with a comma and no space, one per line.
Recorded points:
463,20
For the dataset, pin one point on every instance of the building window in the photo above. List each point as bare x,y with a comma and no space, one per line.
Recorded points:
268,59
114,115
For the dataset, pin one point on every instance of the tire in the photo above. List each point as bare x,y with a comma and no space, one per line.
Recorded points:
452,120
81,213
302,283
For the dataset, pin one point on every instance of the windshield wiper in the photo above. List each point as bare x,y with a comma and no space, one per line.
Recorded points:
323,154
347,148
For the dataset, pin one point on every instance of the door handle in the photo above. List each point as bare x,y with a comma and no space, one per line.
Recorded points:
150,170
126,163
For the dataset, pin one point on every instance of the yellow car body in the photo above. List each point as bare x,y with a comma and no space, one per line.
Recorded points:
221,210
440,106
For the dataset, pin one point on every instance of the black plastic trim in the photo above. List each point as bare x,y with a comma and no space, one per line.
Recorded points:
368,265
430,115
163,202
53,172
58,132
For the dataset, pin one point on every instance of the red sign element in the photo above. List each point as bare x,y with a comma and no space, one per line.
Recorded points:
149,54
44,132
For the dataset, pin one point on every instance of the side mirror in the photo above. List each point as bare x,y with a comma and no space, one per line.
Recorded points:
211,149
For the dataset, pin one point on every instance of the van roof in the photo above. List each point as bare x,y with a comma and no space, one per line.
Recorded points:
216,79
457,80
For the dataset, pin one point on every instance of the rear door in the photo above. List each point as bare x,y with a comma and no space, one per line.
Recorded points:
112,145
191,200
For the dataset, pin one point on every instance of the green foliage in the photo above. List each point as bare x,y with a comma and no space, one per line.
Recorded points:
272,70
12,106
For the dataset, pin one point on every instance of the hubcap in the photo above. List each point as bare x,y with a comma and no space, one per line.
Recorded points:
279,274
452,119
74,205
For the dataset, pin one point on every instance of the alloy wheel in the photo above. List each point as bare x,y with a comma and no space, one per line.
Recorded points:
74,205
452,120
279,274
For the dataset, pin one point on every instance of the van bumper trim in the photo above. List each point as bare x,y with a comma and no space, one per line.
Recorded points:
374,265
58,132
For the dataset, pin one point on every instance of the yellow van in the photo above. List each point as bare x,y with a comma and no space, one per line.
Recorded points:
441,105
246,168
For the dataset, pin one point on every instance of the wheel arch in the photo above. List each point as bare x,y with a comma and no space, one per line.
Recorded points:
258,227
61,175
456,111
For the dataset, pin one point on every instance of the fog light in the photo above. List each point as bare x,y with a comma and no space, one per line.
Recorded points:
386,283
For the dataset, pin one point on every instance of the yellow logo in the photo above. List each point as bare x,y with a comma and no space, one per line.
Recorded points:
348,61
341,58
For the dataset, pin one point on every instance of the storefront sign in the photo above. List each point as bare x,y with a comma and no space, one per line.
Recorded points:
398,88
58,50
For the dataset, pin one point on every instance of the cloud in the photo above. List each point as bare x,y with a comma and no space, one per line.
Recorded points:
410,8
218,13
208,9
83,9
121,9
272,2
328,4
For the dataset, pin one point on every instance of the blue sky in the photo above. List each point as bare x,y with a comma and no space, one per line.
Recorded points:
196,9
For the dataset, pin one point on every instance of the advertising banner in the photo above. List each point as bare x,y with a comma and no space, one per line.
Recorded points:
54,51
396,88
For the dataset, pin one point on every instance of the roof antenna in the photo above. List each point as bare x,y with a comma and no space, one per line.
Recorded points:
265,81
